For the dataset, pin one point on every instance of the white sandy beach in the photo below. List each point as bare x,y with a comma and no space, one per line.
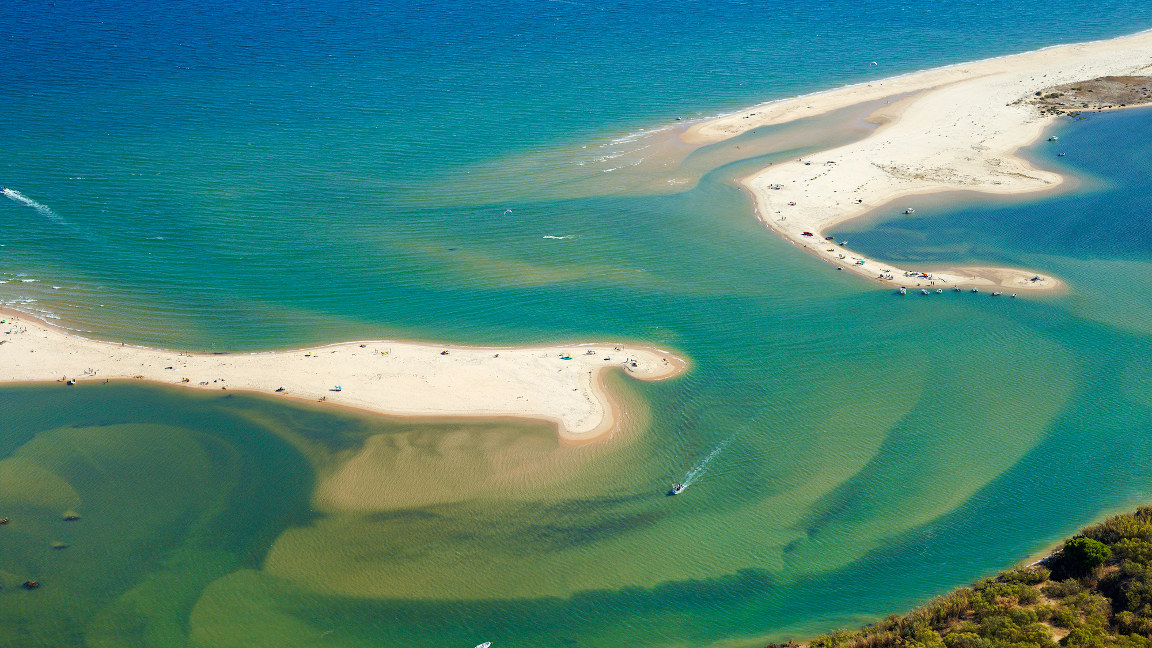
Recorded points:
946,129
388,377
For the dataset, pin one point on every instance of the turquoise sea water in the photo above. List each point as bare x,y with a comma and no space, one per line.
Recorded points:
242,176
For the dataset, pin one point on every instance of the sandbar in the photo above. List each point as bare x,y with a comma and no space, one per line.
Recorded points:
955,128
560,383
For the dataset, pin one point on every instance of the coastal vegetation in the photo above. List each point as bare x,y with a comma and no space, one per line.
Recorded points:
1095,591
1102,93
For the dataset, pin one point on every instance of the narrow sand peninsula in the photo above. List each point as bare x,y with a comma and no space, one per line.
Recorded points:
946,129
380,376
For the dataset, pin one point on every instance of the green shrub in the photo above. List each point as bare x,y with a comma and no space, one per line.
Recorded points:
1085,638
1120,527
1036,635
1081,556
1063,617
1126,622
964,640
1023,616
1043,612
1109,609
1133,641
1061,589
966,626
1031,575
999,627
1133,549
833,639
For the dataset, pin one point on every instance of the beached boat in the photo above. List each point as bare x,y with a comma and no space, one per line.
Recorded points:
677,489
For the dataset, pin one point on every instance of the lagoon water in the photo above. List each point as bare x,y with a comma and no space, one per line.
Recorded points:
240,176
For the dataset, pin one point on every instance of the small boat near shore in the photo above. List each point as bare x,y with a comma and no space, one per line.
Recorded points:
903,290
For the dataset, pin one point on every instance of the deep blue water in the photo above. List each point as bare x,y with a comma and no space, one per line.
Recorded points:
241,175
1106,219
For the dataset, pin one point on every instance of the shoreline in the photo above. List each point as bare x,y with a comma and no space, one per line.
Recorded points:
703,130
386,377
954,128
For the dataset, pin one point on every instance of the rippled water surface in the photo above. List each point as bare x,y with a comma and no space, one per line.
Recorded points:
245,176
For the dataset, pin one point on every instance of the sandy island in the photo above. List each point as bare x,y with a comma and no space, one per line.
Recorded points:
561,384
946,129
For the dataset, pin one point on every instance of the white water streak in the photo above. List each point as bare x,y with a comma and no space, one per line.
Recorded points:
698,469
43,209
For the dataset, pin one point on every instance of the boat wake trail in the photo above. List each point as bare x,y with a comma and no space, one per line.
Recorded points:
43,209
698,469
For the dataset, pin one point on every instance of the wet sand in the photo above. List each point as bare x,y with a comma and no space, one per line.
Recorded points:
956,128
561,383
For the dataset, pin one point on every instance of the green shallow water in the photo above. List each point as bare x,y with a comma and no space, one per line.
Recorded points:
840,436
850,453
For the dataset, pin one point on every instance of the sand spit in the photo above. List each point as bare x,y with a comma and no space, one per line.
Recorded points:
554,383
956,128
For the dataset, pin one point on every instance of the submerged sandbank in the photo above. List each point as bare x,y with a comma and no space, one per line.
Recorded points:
560,383
946,129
